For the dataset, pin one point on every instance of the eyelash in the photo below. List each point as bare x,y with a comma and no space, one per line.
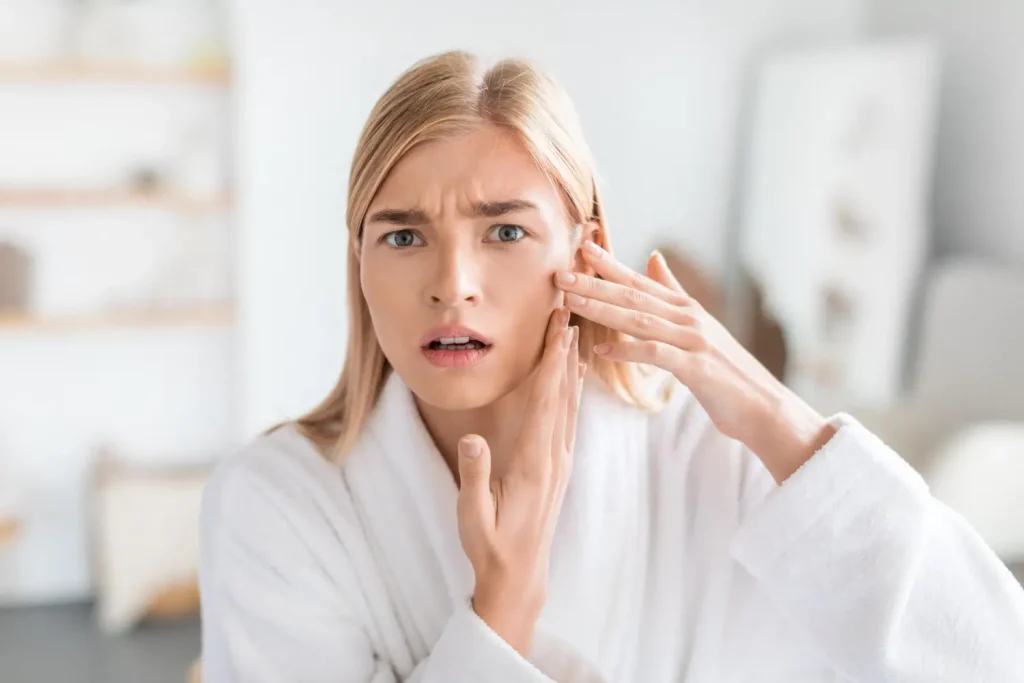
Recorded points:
387,237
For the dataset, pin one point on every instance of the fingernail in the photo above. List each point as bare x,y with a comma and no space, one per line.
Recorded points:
658,256
583,370
592,248
469,448
602,349
575,299
563,316
575,335
565,278
566,338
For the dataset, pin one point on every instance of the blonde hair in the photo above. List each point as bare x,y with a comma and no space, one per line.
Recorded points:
440,96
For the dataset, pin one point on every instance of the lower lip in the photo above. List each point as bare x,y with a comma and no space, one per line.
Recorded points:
464,358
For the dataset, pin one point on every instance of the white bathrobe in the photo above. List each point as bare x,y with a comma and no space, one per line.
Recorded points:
676,558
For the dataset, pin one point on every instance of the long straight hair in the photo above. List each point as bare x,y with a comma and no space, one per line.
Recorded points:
441,96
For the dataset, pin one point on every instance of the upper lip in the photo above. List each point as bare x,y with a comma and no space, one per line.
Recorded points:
453,331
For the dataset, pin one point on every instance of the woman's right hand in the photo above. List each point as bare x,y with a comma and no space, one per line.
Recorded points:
506,525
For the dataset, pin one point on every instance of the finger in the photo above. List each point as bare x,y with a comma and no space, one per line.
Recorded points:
572,373
658,270
561,484
621,295
574,409
475,503
542,405
665,356
639,324
605,265
569,382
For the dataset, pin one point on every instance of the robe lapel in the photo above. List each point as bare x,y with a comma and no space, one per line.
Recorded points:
409,497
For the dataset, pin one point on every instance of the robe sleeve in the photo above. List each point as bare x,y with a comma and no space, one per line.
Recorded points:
888,582
272,612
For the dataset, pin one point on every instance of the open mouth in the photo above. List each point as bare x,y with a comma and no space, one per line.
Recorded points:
456,347
456,344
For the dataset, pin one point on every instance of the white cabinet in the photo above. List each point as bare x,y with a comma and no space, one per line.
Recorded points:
835,223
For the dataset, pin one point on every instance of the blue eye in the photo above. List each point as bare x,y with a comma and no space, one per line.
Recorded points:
508,233
403,238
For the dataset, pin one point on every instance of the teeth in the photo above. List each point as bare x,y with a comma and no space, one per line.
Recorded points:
453,340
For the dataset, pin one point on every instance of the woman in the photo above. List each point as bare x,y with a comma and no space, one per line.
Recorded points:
422,525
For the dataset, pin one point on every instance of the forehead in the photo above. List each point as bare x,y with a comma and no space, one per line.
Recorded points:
486,163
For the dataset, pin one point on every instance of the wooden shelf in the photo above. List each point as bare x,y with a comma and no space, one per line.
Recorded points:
110,199
72,72
211,316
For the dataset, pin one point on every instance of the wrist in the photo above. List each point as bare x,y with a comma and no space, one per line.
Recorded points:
788,436
511,613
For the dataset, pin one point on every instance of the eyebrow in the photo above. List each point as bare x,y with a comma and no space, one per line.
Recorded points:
479,210
496,209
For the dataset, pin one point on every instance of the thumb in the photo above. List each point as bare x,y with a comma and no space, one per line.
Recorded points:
475,499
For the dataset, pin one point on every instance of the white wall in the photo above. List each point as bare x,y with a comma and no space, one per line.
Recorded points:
979,205
658,86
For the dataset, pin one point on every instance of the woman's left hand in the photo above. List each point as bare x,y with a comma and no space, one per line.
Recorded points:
674,332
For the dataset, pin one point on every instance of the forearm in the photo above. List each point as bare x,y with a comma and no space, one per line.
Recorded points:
890,583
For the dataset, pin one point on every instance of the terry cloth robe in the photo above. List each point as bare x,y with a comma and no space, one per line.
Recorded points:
676,558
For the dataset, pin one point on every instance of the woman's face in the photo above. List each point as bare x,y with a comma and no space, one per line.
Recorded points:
462,240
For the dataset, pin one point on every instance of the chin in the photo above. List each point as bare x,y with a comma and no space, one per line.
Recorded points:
456,393
455,390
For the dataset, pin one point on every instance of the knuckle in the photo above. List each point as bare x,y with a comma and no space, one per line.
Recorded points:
470,473
702,364
654,351
635,296
636,281
685,318
494,559
642,320
679,299
531,474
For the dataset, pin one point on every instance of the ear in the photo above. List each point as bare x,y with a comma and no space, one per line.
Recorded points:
590,231
356,245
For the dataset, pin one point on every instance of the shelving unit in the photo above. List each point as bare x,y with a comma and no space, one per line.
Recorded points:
214,75
220,315
113,198
117,213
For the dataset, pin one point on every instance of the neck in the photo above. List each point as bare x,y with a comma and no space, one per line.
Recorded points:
498,422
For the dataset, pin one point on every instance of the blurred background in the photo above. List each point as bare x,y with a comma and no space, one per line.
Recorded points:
838,180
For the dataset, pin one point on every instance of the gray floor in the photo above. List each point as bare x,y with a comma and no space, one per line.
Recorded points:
62,645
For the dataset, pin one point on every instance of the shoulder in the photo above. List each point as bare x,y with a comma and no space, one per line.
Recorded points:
272,497
273,467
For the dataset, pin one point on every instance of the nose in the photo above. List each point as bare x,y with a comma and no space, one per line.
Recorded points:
455,280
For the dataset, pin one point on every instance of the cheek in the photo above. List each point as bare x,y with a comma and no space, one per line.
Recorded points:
523,289
386,292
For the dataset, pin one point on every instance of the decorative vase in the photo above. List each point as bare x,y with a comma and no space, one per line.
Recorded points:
15,278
